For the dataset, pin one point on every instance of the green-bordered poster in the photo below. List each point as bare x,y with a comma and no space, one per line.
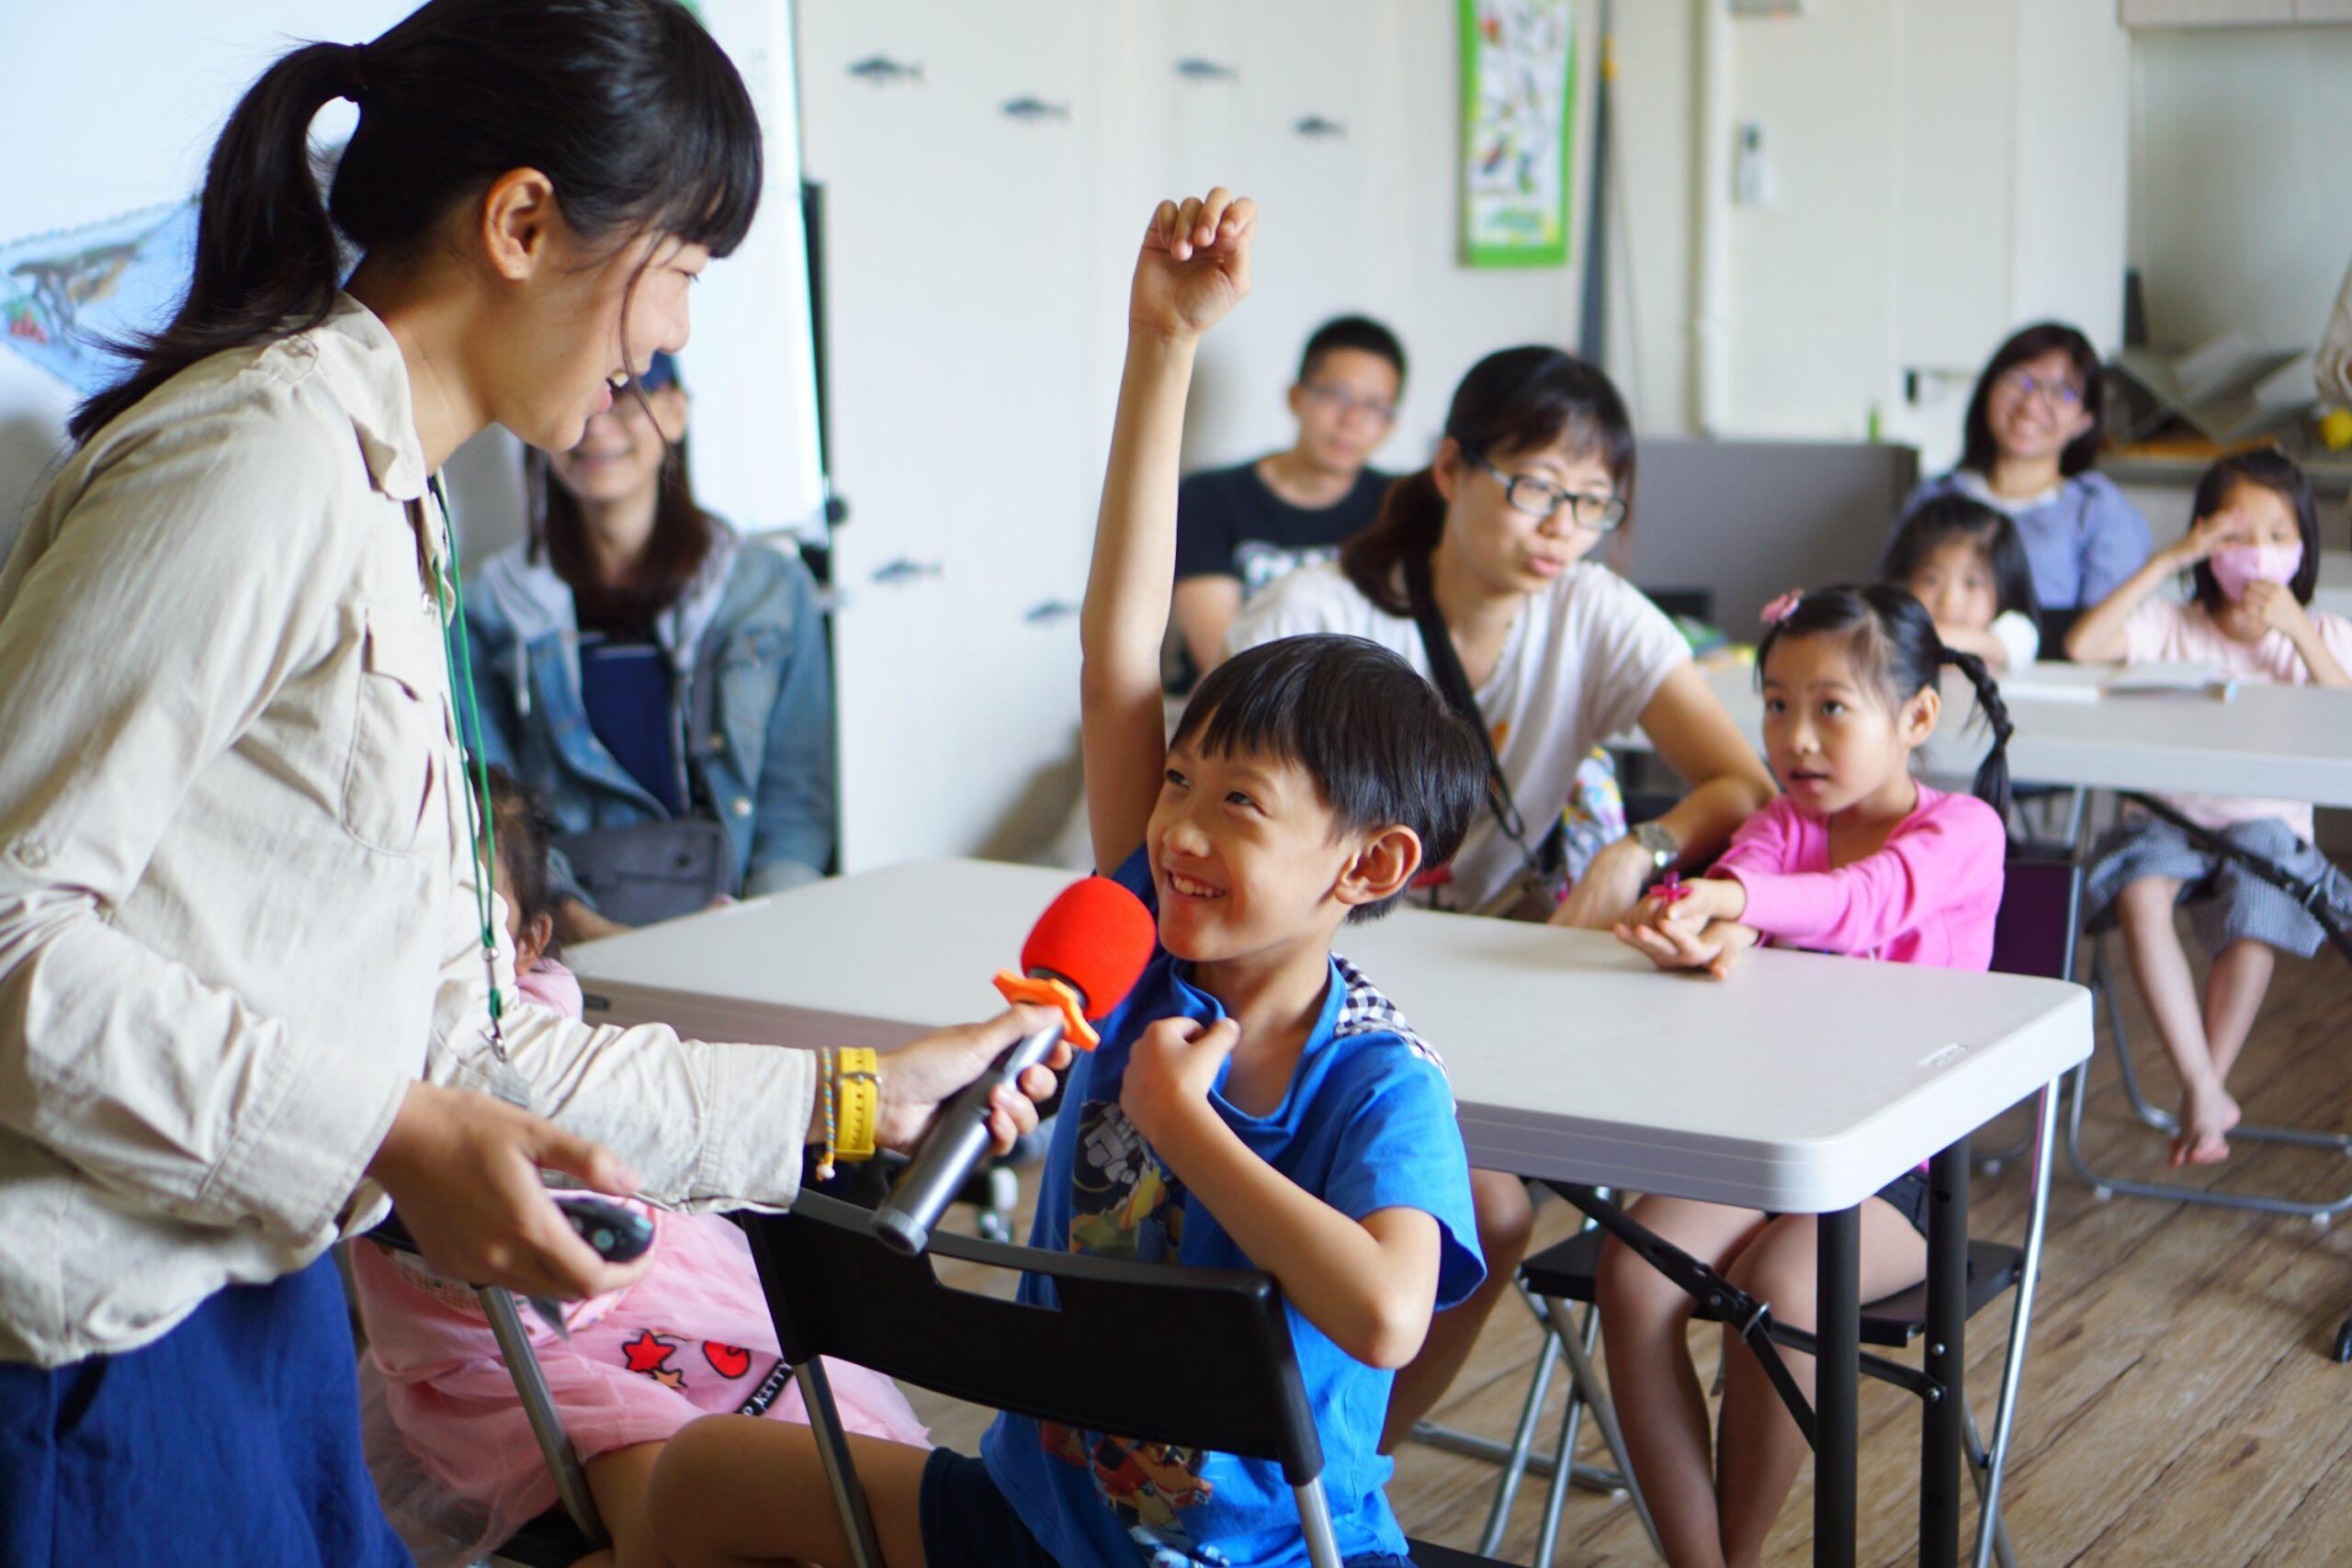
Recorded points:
1518,107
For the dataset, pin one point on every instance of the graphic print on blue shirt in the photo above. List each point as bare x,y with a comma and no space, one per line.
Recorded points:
1367,1124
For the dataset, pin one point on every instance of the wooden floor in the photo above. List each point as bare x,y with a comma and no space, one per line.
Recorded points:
2179,1403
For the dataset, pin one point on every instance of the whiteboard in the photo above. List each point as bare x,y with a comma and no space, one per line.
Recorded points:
127,125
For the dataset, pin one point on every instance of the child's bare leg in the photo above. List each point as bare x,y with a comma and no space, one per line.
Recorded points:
2233,992
1643,1320
618,1481
2160,968
737,1491
1505,1219
1760,1447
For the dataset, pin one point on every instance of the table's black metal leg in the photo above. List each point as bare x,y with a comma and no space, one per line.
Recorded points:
1940,1412
1836,1372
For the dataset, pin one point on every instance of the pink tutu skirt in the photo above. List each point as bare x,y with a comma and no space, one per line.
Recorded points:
447,1438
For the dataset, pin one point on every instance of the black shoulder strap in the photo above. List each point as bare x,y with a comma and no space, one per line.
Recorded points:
1453,684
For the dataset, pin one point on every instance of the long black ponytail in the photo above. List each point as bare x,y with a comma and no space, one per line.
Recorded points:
1895,639
638,119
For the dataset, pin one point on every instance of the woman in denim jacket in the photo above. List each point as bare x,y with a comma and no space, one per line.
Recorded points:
638,660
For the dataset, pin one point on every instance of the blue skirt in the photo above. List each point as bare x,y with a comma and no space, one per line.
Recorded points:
234,1438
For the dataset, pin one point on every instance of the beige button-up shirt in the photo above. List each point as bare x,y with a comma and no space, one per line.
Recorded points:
236,914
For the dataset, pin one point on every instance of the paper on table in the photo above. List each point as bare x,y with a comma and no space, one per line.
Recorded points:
2090,683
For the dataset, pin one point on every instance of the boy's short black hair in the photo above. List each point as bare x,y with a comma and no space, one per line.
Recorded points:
1359,333
1374,736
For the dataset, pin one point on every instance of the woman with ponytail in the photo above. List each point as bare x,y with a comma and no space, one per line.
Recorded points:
1858,858
1476,573
251,979
1490,544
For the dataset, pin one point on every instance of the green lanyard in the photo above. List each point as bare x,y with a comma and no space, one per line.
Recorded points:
449,600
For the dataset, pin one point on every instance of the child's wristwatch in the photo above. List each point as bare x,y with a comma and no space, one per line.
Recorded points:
1662,848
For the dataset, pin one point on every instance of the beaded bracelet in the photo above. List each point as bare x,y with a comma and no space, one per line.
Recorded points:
825,1102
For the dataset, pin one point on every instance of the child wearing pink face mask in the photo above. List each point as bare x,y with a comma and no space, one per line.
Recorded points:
2254,551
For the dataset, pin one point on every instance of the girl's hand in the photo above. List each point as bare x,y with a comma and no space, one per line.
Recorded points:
1195,267
915,1078
2275,603
2205,535
1172,1069
1703,901
1714,948
463,1170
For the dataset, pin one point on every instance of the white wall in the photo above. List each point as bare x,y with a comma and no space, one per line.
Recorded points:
103,133
106,131
1340,235
1654,101
1944,170
1813,301
2241,204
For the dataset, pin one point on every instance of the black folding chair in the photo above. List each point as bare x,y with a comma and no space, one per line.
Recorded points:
1223,1375
2033,934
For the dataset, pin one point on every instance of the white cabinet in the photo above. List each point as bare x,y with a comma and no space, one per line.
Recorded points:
963,298
975,272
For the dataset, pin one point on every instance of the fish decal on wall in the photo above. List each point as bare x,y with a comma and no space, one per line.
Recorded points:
882,71
1033,110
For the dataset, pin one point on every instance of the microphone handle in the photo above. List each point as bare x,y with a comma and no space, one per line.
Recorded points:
954,1149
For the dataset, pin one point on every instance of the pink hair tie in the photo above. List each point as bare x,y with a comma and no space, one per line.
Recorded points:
1781,609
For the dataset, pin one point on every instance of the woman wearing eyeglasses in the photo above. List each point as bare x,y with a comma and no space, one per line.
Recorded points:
2031,437
1475,572
640,663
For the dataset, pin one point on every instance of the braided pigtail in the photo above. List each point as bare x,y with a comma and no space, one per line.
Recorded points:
1992,774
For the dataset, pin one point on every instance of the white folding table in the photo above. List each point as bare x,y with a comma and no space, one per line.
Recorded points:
2289,742
1804,1085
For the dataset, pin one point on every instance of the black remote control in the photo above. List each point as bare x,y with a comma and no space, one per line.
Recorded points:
618,1234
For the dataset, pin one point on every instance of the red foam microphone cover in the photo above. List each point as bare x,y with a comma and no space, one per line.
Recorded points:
1096,935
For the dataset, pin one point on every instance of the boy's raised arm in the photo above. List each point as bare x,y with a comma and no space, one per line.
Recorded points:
1193,269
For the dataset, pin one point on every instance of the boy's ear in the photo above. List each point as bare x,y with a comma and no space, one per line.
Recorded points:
1919,715
1384,866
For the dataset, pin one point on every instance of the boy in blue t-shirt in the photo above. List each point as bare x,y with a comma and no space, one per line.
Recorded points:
1255,1103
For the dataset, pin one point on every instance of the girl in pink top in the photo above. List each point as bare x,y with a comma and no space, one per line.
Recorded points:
1856,858
448,1441
2254,554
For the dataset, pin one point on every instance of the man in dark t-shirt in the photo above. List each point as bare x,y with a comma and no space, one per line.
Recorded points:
1238,529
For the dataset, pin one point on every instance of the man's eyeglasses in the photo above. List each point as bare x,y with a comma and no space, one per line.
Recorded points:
1345,403
1541,498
